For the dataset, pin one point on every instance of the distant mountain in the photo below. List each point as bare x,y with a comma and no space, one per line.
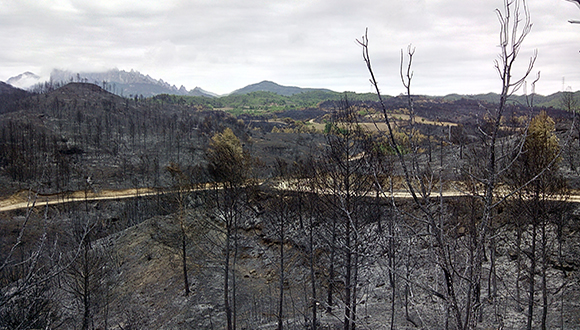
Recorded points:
121,82
134,83
24,80
269,86
201,92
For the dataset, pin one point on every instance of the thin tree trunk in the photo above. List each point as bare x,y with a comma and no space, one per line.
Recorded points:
544,278
518,265
312,276
560,260
531,273
234,287
491,281
184,254
227,278
281,299
392,278
86,290
354,281
347,280
329,300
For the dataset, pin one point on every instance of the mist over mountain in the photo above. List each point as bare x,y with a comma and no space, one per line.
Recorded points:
124,83
24,80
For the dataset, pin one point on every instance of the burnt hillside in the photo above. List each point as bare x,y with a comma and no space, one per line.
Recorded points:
61,138
10,96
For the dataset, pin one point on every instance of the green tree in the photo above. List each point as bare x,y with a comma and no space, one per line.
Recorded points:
535,174
535,168
227,161
230,167
541,143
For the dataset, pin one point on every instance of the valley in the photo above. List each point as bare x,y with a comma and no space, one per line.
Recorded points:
292,190
172,212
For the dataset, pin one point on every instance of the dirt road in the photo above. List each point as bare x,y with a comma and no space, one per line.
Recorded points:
25,199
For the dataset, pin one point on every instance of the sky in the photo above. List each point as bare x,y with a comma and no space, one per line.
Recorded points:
222,45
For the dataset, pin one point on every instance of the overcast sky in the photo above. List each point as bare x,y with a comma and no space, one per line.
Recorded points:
225,45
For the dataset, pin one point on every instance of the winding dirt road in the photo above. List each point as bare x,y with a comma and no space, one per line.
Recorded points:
26,199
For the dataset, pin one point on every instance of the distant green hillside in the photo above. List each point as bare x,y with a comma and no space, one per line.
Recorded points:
270,86
264,102
552,100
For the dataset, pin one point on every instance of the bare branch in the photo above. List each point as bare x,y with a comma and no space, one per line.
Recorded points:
576,2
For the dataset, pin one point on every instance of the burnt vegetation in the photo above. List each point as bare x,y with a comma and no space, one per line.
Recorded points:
315,210
289,211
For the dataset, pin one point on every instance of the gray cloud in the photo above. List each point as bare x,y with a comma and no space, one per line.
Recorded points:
224,45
